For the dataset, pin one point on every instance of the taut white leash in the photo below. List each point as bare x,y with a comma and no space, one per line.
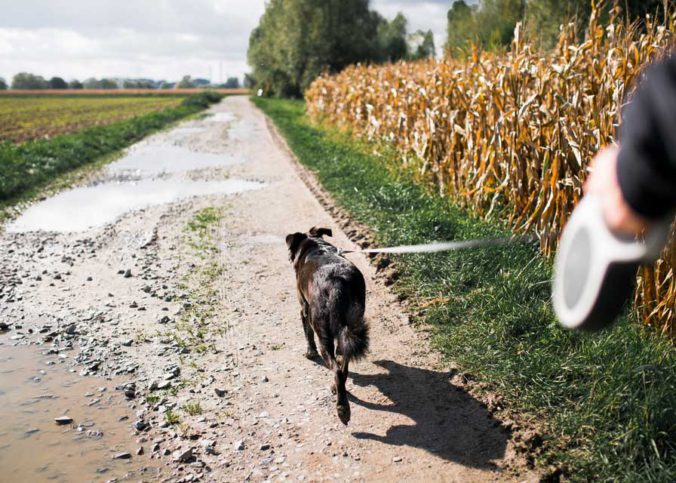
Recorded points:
444,246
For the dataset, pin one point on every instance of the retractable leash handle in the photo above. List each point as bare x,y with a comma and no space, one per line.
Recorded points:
595,269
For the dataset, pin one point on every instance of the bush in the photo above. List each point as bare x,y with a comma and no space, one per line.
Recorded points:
202,99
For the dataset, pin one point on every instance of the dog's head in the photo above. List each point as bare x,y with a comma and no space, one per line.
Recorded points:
294,240
319,232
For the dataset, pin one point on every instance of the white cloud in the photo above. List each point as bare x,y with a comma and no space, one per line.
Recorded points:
160,39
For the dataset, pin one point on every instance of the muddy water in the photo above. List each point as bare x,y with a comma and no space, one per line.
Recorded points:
154,160
34,448
150,173
82,208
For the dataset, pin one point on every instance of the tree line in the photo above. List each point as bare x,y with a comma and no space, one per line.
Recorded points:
28,81
296,40
490,23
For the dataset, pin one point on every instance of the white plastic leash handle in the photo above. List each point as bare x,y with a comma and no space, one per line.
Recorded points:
595,268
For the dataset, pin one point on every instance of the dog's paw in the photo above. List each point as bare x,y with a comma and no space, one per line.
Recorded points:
312,355
344,414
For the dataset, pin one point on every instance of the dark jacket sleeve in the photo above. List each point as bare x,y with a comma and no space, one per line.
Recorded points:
647,160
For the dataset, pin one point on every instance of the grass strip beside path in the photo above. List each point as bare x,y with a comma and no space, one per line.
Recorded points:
606,401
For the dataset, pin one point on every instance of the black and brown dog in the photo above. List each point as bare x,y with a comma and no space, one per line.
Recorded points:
332,294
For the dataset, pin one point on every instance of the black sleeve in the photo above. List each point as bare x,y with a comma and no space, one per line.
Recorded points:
647,160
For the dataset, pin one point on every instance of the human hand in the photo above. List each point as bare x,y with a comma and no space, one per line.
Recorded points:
603,183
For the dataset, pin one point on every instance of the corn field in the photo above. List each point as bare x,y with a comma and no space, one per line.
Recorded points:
511,132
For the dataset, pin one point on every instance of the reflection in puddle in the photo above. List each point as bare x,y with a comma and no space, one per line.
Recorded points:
93,206
152,160
34,448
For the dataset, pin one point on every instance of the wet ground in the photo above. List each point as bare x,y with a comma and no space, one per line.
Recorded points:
41,365
35,389
166,281
151,173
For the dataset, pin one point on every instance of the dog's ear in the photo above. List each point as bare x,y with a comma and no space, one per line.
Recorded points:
293,242
320,232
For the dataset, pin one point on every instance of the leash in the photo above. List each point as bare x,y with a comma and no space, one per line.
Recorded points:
445,246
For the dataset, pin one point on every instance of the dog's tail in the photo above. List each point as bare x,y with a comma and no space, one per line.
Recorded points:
353,342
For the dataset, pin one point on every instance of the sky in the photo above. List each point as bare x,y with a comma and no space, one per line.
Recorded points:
156,39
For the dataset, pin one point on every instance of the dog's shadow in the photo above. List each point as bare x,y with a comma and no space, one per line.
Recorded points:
447,421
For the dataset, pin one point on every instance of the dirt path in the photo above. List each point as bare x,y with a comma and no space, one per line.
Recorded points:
203,332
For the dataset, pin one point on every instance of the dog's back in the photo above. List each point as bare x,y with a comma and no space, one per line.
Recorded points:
335,291
341,302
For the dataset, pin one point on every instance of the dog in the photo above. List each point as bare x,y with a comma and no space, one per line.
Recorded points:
332,295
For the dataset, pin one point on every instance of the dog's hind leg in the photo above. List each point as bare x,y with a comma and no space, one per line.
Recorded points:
343,405
339,377
311,352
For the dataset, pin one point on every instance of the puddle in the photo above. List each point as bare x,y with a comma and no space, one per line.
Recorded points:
155,160
148,174
80,209
34,448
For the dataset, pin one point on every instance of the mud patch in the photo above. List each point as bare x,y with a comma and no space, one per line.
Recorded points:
33,447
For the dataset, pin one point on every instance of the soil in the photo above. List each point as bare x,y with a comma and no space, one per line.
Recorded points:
198,328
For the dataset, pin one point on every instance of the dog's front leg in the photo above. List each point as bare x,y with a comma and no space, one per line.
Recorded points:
311,352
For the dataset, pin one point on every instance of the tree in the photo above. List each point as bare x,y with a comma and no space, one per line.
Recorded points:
57,83
25,80
249,81
75,84
296,40
232,83
108,84
92,83
3,84
138,84
392,39
461,30
421,45
185,83
490,25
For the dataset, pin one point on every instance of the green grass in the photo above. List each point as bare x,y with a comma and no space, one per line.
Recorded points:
24,167
606,401
172,418
193,408
196,326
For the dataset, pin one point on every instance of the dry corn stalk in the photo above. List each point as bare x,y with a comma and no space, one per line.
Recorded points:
514,131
